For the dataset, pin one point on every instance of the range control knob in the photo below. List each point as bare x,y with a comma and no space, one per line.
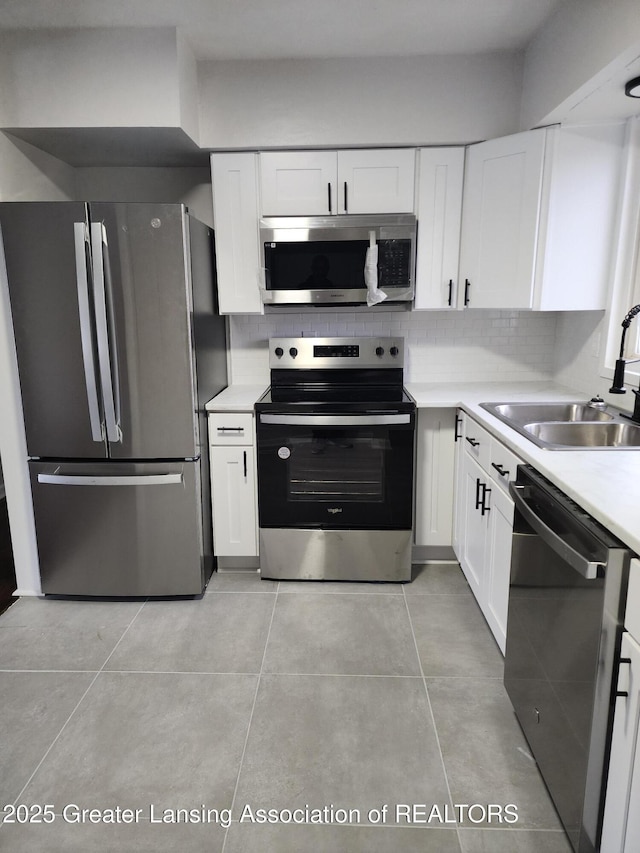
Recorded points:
279,352
293,352
394,351
379,351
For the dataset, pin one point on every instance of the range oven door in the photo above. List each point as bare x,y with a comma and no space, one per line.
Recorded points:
335,471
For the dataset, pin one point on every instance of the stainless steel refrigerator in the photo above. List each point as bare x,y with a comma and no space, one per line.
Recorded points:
119,346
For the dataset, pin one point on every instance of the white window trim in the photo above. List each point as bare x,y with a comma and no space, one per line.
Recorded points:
625,290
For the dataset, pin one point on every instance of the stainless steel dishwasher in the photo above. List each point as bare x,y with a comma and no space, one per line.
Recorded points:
567,593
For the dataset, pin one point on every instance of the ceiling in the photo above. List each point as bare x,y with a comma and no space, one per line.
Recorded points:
277,29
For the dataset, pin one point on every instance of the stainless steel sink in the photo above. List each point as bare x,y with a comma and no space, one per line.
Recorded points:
526,413
583,434
568,426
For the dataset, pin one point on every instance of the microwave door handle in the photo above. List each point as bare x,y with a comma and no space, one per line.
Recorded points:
98,242
585,567
81,241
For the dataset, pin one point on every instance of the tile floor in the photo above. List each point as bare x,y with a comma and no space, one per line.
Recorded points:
261,695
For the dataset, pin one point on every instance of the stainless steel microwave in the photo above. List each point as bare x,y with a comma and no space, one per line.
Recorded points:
342,260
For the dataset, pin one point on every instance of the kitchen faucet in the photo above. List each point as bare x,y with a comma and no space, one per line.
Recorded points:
621,362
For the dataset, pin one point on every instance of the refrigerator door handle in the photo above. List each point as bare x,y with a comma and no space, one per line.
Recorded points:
106,480
106,354
81,240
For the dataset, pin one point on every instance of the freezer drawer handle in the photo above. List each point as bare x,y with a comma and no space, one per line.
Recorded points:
90,480
81,240
585,567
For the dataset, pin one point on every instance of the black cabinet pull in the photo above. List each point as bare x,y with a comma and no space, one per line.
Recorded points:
244,455
329,195
478,484
457,436
450,299
467,285
623,694
502,471
472,441
484,508
346,209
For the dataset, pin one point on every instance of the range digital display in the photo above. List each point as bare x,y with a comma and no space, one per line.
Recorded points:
336,351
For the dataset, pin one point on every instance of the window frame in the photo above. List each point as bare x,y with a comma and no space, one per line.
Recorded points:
625,290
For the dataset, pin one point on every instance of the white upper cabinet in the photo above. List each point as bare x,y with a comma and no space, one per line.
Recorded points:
539,210
298,183
376,181
235,211
439,211
318,183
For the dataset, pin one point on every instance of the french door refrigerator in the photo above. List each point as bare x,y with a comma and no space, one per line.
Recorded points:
119,346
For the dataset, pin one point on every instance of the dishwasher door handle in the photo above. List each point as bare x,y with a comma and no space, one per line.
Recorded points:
585,567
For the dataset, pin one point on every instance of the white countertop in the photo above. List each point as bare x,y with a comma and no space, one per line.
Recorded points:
236,398
606,483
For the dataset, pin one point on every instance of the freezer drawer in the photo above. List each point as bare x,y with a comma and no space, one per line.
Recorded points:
118,529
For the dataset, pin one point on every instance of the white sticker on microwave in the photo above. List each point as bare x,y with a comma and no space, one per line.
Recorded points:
284,452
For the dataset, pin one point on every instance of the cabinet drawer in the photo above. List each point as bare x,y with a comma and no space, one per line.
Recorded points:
503,463
231,428
477,442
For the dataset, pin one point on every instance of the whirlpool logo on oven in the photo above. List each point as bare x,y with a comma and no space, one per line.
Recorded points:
334,509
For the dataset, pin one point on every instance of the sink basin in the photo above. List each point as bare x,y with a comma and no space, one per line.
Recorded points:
526,413
568,426
586,435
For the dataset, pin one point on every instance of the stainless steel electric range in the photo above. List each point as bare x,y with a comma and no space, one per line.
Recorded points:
335,437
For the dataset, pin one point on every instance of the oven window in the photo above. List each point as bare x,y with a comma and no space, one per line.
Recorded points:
333,466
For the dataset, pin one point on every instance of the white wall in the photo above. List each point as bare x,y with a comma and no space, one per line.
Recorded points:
460,346
420,100
90,78
29,174
190,186
574,46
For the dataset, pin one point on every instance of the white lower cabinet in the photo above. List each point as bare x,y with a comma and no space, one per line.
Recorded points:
484,521
621,825
233,485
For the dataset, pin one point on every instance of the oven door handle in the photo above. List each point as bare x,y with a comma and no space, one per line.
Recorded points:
336,420
581,564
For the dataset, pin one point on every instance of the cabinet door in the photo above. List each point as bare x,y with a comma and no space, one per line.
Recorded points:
434,477
233,496
501,210
298,183
376,181
235,211
475,526
498,563
621,825
439,210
